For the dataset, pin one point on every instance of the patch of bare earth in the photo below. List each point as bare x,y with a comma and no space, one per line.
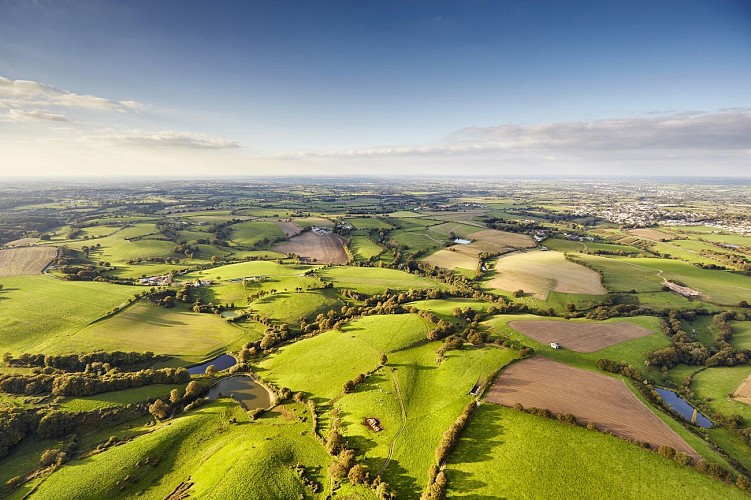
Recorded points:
742,393
289,228
590,397
681,290
451,260
22,242
25,260
651,234
580,337
494,241
327,248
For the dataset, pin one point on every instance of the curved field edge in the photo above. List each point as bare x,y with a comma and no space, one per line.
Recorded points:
500,455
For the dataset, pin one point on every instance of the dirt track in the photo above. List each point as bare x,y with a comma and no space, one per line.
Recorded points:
580,337
321,247
591,397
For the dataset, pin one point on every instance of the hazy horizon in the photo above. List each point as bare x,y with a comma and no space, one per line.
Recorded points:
448,89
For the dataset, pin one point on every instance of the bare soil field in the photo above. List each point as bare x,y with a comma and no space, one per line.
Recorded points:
22,242
492,241
25,260
651,234
742,393
540,273
683,290
451,260
590,397
289,228
321,247
580,337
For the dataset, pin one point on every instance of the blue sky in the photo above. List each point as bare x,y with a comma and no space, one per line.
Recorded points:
417,87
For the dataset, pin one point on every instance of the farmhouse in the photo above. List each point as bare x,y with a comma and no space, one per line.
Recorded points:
320,230
555,345
199,283
156,280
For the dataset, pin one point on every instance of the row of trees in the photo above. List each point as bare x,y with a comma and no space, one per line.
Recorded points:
80,362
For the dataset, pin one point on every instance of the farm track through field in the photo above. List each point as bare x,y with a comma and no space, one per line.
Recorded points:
401,429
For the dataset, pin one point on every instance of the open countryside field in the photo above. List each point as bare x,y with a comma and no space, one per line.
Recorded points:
580,336
540,273
289,228
26,260
148,327
373,280
501,455
204,449
492,241
37,310
743,392
363,248
328,248
253,233
590,397
651,234
452,259
725,389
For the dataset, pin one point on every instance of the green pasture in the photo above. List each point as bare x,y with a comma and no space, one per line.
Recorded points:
38,311
715,385
500,455
250,233
363,248
373,280
119,398
290,307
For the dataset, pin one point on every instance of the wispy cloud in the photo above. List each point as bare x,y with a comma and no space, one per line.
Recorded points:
164,139
728,130
27,93
18,115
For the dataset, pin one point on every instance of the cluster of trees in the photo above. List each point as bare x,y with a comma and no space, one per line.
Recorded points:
82,362
684,350
621,368
184,248
87,384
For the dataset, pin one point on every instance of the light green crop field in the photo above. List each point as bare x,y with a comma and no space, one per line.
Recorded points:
741,334
250,233
119,398
683,252
415,435
715,386
632,351
368,223
418,240
500,455
621,276
290,307
322,364
372,280
444,308
413,223
253,460
38,310
578,246
147,327
722,287
363,248
459,229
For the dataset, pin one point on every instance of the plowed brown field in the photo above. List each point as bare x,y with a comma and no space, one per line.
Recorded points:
579,337
743,391
289,228
590,397
25,260
321,247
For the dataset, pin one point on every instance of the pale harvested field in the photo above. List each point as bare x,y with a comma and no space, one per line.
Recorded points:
492,241
651,234
742,393
22,242
289,228
590,397
580,337
451,260
25,260
540,273
321,247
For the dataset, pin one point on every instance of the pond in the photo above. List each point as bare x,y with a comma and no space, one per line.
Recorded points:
683,407
220,363
247,391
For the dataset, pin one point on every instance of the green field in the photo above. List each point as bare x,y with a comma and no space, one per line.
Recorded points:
715,385
500,455
373,280
368,223
119,398
147,327
363,248
40,310
251,460
251,233
741,334
291,307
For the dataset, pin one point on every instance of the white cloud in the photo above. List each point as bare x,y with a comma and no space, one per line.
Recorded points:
165,139
25,93
18,115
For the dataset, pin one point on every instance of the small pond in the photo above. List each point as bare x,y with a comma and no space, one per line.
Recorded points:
244,389
220,362
683,407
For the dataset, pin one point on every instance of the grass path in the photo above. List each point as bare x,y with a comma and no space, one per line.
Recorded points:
404,422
